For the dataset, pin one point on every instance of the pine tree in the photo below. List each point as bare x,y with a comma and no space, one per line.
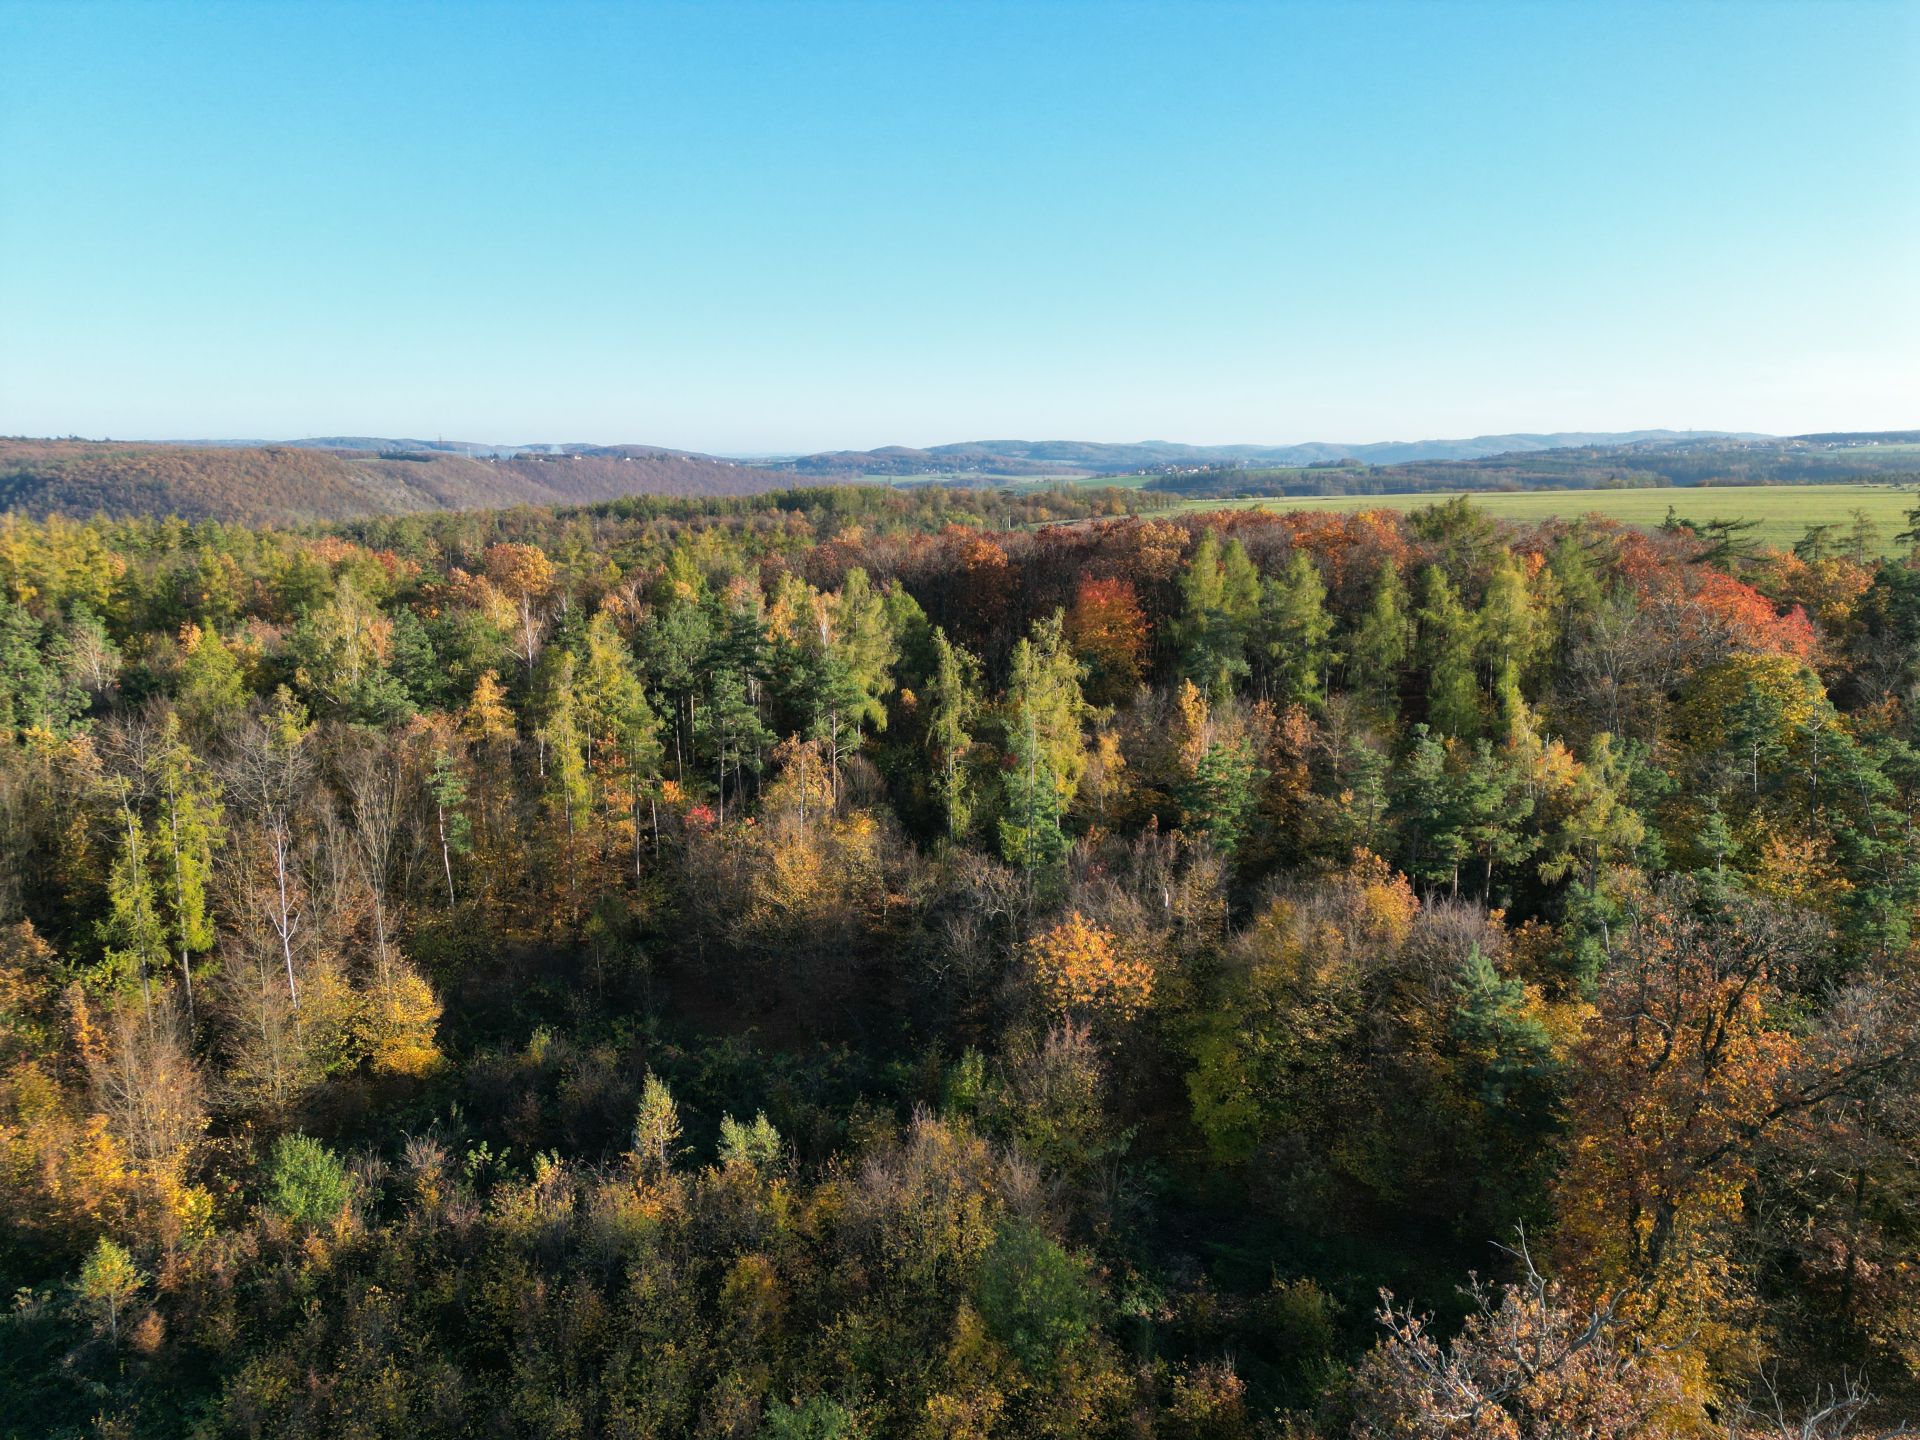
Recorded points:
1490,802
1046,746
1220,595
1576,591
623,736
1032,805
1509,634
1447,651
953,704
211,690
569,788
1220,796
190,829
1380,644
1423,802
34,693
1294,627
132,934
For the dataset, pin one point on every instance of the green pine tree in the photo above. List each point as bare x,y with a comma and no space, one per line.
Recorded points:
1294,628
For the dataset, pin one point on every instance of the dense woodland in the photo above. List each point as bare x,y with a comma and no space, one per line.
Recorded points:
857,963
291,484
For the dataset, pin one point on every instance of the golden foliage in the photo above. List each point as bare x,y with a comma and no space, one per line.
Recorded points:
399,1024
1080,968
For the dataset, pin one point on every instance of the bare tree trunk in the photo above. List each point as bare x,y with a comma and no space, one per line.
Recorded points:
446,855
285,921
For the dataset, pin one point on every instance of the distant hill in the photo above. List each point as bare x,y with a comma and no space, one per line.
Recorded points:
292,484
1084,457
343,477
1686,460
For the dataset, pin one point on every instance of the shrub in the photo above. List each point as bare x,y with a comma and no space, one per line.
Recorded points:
306,1182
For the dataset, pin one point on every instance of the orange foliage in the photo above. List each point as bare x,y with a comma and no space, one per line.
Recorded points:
1080,968
1706,605
1108,629
1153,550
1349,547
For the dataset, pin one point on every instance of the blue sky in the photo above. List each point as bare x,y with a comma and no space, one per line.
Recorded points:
785,226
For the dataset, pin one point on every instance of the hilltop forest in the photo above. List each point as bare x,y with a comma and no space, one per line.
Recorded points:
291,484
1886,458
863,963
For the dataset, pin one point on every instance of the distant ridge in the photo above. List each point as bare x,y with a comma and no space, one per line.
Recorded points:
1080,457
302,483
329,478
1097,458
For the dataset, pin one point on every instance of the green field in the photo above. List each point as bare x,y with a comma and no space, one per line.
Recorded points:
1784,511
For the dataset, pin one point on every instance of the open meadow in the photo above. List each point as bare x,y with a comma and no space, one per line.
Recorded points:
1784,512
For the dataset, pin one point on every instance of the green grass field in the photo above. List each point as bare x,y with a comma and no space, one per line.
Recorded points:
1784,511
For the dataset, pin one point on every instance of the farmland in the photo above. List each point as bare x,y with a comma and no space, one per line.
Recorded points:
1783,512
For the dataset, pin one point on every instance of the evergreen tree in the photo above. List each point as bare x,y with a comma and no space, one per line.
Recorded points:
1491,803
1576,590
415,664
1294,627
1045,745
1447,652
953,704
1381,643
132,934
569,785
34,693
1220,796
1510,1067
1220,605
674,642
1424,803
1509,633
189,831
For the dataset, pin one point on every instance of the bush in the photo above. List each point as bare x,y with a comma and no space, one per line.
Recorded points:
818,1418
307,1182
1036,1299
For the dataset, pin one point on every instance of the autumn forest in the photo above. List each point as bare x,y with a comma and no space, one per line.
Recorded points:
868,962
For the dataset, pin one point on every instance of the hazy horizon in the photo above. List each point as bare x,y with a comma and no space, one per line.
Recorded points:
415,434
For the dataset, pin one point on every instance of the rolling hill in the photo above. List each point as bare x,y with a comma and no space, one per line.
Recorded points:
1690,460
340,478
294,484
1083,457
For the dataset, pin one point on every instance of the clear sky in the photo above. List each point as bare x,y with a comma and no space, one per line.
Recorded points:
786,226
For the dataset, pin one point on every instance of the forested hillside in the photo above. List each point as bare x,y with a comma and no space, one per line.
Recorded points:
871,963
1887,458
1018,457
282,484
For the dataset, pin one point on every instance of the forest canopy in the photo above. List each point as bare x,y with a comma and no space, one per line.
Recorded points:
865,962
